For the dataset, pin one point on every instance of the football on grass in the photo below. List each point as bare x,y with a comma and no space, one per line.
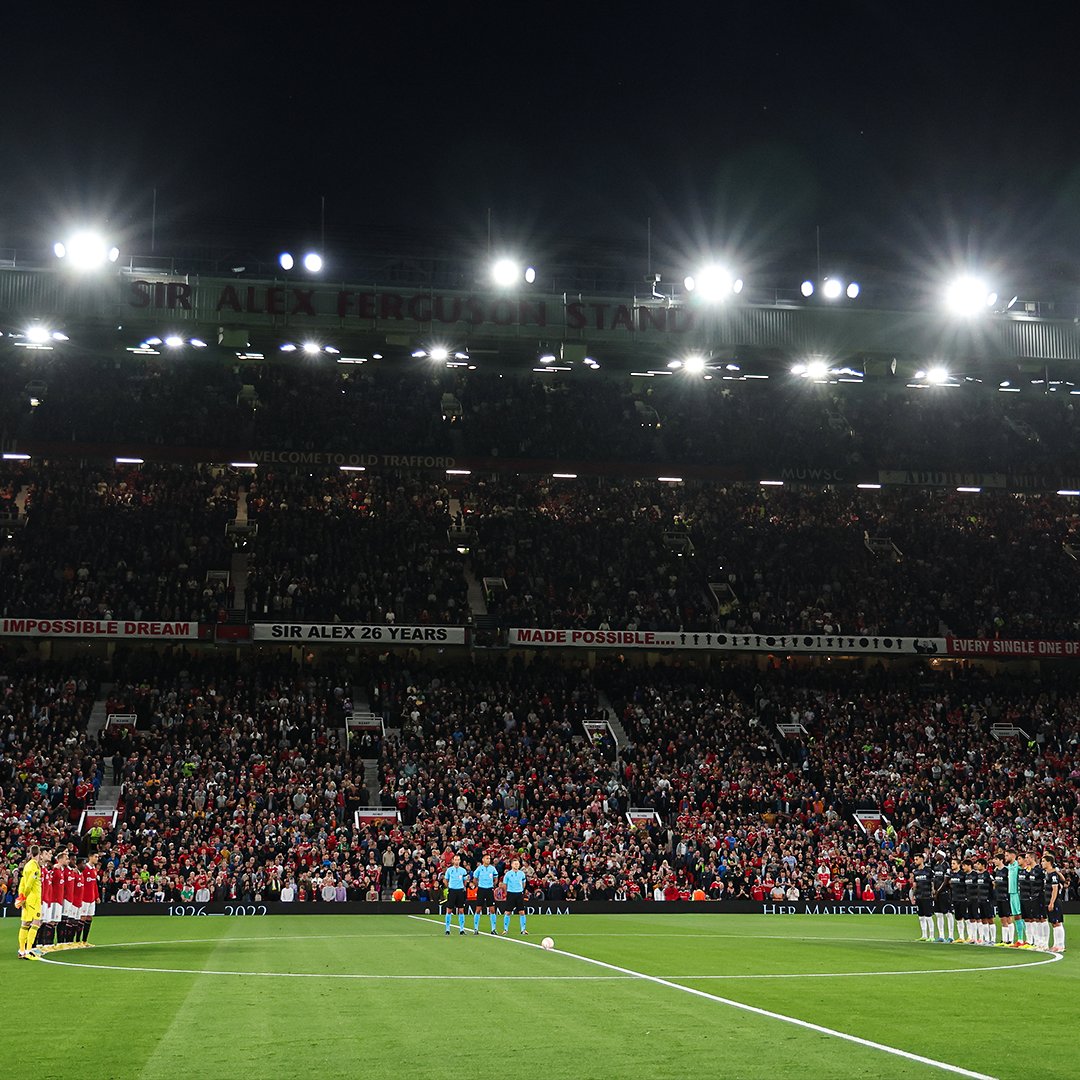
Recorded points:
548,943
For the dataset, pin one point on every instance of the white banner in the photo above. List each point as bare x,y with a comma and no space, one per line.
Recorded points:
354,632
841,644
98,628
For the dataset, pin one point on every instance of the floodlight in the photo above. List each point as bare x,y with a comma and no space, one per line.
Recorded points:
694,364
37,334
286,261
288,347
505,272
312,347
312,262
798,369
714,283
530,275
547,358
174,341
853,290
198,343
832,289
86,251
439,353
968,296
59,335
937,376
807,288
817,369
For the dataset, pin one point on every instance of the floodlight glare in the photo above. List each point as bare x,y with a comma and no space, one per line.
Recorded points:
174,341
285,260
505,272
547,358
86,251
968,296
312,262
798,369
853,290
312,347
439,353
530,275
832,288
37,334
937,376
694,364
817,369
714,283
807,288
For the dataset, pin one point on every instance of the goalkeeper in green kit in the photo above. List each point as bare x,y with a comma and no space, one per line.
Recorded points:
1013,867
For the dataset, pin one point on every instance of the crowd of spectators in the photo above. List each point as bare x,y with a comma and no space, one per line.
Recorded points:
352,547
118,542
238,784
395,406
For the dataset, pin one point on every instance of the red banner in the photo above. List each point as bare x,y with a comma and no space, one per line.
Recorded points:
1014,648
99,628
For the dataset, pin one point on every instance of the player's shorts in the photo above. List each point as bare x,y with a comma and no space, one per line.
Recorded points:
1040,910
485,898
455,898
942,904
514,901
1055,915
30,911
960,909
70,910
1003,909
51,914
986,910
1014,905
925,907
87,910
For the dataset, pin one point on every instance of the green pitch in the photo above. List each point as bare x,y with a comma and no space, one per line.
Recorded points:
391,996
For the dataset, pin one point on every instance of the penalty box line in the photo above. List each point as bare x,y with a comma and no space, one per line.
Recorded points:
754,1009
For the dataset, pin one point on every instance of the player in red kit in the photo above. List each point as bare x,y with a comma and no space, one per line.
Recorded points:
89,899
53,884
72,904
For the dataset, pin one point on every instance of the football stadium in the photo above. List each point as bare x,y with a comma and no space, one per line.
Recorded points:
532,656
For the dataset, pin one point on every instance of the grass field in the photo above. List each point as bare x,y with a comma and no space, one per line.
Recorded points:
635,996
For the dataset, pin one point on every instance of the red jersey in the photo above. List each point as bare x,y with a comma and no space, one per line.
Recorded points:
72,880
89,885
57,884
46,886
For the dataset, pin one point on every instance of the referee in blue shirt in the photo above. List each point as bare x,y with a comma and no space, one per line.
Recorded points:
514,881
455,877
485,876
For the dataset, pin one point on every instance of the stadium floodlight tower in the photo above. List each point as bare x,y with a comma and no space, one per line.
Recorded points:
86,250
312,262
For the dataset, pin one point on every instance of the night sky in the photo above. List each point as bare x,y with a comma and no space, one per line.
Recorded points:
907,132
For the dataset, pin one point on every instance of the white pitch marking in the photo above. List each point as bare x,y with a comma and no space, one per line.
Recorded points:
806,1024
344,975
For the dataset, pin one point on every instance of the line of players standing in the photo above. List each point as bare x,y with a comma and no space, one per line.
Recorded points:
1023,892
69,895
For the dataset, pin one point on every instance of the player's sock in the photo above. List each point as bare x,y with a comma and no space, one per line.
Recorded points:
522,919
449,916
461,921
86,929
950,923
494,921
506,924
31,937
476,922
993,933
23,931
1021,930
1059,936
1006,934
941,924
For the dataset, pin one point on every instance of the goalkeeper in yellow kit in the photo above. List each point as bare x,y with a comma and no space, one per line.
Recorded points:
29,903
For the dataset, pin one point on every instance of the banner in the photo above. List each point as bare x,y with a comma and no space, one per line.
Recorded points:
841,644
356,633
376,815
99,628
1035,649
642,818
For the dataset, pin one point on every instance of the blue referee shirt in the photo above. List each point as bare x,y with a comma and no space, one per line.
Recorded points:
456,876
485,876
514,880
